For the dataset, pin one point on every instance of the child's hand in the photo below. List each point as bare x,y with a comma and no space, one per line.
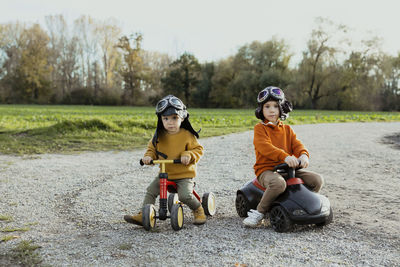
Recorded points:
292,161
304,161
185,160
146,160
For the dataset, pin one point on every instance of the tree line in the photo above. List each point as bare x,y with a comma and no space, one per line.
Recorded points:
92,62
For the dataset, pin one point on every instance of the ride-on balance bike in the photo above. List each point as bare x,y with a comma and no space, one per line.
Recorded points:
296,205
172,203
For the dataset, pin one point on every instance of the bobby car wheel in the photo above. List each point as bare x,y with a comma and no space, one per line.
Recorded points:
208,203
242,205
177,218
172,199
149,217
280,220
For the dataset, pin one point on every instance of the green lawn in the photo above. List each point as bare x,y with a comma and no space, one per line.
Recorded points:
31,129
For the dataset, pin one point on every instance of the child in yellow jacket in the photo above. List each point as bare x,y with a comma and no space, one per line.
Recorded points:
276,143
174,138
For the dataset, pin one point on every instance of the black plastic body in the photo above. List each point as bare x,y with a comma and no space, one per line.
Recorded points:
295,197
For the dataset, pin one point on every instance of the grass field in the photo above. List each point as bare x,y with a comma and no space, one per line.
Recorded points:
31,129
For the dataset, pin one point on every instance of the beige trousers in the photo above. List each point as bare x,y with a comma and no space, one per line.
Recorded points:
275,184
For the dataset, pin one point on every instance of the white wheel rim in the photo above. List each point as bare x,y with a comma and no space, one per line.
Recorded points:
152,217
180,216
211,204
176,199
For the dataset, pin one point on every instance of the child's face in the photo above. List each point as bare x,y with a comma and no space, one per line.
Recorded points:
172,123
271,111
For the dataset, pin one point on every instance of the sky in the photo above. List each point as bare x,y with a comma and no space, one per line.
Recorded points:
214,29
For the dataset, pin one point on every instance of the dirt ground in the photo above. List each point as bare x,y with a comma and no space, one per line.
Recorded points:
71,206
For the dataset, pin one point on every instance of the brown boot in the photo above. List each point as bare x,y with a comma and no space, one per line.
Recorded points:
199,216
135,219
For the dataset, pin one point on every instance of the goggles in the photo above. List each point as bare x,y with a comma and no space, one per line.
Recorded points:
274,92
169,101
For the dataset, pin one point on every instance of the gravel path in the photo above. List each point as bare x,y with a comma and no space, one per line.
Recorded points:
73,206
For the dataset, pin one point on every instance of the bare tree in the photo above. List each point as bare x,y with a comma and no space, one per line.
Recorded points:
63,56
319,60
87,46
108,33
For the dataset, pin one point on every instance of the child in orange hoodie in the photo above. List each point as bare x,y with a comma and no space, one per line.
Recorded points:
276,143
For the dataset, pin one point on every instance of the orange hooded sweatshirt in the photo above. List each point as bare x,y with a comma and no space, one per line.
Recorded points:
273,143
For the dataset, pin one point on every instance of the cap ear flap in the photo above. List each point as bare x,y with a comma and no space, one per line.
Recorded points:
188,126
258,113
185,114
287,106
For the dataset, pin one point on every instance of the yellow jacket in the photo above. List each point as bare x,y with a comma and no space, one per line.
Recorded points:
183,143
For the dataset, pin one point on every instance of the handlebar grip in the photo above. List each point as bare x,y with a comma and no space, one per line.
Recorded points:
281,166
286,166
177,160
142,163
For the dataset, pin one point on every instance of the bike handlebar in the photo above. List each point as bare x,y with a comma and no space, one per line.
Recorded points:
160,161
285,166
